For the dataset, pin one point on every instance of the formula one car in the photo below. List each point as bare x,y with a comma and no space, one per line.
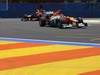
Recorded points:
29,17
36,16
61,21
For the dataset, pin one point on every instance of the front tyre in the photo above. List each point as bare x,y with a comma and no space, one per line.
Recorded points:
86,25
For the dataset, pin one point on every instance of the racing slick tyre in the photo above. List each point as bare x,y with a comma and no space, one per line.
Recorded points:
86,24
42,23
25,18
56,23
22,19
61,26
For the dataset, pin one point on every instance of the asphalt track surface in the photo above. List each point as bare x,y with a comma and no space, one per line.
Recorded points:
14,28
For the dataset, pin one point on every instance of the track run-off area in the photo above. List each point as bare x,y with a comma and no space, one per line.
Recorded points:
27,49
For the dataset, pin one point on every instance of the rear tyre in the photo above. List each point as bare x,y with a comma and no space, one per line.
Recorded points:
61,26
42,23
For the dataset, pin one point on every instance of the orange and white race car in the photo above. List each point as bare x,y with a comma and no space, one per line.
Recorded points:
57,19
